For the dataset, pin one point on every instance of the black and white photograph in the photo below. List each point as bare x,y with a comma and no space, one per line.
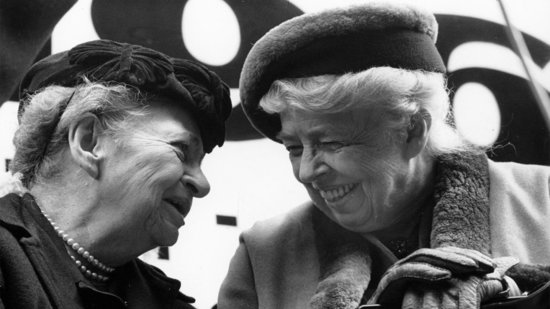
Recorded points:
275,154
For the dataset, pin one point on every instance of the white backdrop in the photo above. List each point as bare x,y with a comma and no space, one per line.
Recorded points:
252,180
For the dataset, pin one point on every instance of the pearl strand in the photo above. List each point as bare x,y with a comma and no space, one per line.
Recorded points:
88,273
82,252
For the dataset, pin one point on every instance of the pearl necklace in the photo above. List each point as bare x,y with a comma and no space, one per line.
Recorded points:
83,253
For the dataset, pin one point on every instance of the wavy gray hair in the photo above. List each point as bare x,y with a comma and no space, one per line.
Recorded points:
37,152
395,96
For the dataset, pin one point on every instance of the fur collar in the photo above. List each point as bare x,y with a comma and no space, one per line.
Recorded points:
460,218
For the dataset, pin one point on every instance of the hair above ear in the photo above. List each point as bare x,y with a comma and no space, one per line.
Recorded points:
83,140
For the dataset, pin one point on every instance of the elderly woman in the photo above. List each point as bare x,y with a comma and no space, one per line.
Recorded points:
358,98
108,161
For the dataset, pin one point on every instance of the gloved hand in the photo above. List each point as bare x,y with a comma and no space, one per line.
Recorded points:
446,277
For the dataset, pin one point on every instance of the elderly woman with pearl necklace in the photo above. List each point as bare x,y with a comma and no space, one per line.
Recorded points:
107,163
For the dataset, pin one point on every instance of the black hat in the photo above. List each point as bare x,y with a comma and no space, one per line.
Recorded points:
337,41
198,89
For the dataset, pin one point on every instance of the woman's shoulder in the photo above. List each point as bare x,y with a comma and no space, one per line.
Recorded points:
13,212
152,276
512,174
519,198
290,225
519,187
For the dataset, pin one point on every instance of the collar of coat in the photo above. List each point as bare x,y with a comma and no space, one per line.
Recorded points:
460,218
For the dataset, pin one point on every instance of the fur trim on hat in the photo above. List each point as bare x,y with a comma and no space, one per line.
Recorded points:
301,30
462,190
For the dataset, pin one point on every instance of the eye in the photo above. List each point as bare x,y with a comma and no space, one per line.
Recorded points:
180,149
294,150
332,145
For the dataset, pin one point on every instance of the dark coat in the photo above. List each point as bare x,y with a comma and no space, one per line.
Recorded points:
36,271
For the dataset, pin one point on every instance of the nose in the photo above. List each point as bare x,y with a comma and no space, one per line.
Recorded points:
196,181
311,166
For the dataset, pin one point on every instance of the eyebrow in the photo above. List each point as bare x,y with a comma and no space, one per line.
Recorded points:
314,133
187,136
191,139
283,136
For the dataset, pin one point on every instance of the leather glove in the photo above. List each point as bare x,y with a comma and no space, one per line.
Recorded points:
446,277
529,277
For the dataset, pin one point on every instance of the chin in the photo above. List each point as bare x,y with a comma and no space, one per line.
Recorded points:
354,223
168,239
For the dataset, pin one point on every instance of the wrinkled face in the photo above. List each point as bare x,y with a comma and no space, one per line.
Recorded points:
354,175
154,175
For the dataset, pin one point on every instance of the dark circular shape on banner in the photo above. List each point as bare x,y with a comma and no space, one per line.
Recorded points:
523,136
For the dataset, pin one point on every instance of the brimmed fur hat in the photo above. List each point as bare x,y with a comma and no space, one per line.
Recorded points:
337,41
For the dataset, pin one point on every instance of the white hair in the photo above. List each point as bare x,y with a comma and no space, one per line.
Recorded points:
394,96
12,184
37,151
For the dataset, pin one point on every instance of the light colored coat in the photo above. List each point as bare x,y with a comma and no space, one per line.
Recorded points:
520,211
277,263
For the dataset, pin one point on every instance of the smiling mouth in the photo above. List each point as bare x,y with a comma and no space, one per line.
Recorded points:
336,194
178,205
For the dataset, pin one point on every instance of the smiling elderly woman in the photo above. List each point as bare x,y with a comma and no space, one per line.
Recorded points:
358,98
108,154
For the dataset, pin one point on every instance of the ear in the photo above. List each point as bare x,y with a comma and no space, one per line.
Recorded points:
83,143
417,133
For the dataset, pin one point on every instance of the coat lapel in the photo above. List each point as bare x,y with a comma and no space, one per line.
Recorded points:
461,213
44,249
345,265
